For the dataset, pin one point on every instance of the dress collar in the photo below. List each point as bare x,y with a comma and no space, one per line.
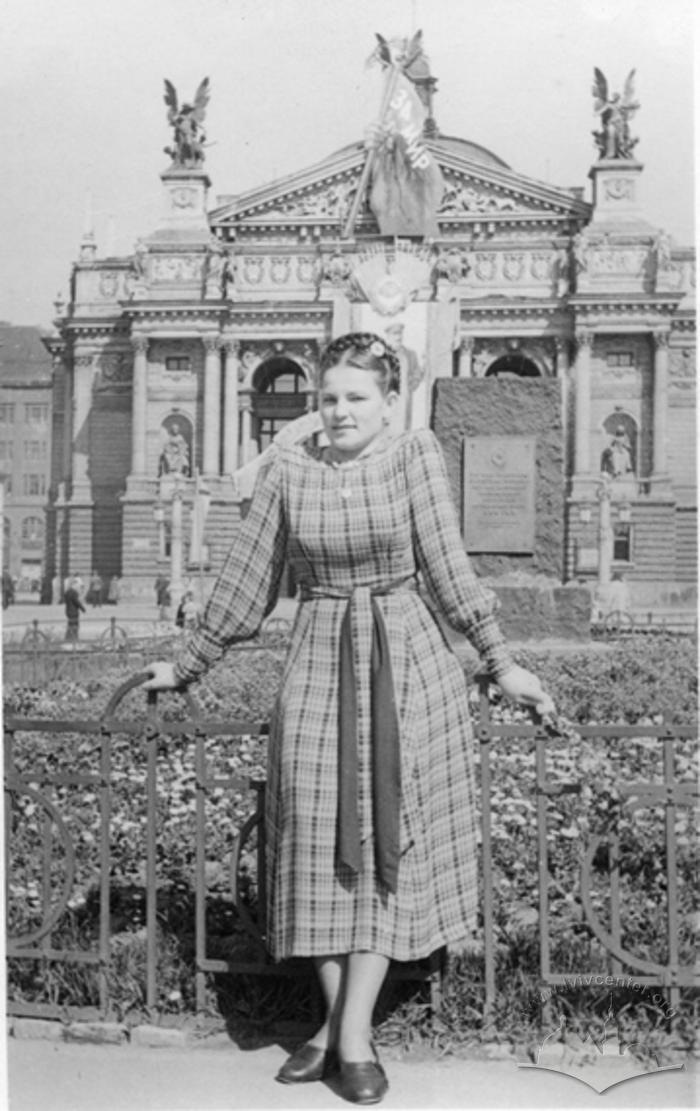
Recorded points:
379,444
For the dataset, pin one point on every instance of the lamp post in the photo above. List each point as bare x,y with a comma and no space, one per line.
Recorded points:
606,538
175,537
3,476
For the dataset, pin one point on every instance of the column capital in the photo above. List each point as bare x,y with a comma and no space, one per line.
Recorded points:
561,345
212,342
245,400
467,343
84,360
584,337
139,344
661,337
231,346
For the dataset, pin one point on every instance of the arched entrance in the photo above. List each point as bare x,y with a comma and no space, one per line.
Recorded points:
513,366
280,395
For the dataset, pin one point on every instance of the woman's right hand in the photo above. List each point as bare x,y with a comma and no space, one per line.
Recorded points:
162,676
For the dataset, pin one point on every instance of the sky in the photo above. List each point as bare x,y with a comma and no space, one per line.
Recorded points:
82,89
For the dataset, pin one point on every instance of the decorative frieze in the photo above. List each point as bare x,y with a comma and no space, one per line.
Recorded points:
306,269
618,260
485,266
115,369
176,268
253,270
513,266
280,269
463,197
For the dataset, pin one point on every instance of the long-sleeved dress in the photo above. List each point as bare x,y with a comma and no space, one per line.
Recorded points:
356,536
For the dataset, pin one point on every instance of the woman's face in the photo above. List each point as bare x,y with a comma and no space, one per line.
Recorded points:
353,408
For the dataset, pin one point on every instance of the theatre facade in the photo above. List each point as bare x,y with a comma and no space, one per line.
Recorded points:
175,367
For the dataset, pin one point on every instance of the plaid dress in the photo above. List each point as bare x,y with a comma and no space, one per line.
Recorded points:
350,532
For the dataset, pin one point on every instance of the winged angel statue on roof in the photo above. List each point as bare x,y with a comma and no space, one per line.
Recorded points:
188,148
614,140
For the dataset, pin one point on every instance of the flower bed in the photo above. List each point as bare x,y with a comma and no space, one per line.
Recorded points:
628,683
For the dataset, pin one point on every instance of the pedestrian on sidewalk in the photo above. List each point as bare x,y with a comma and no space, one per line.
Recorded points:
8,589
95,588
73,607
162,589
371,831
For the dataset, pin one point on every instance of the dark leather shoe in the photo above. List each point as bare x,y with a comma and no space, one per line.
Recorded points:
307,1063
363,1081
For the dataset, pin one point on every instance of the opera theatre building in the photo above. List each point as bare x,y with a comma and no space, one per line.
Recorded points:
174,368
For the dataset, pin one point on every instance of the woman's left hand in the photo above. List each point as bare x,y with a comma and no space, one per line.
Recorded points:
523,686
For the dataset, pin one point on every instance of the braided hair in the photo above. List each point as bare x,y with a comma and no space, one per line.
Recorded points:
366,351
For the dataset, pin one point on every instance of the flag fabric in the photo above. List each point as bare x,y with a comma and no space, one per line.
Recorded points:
407,185
200,508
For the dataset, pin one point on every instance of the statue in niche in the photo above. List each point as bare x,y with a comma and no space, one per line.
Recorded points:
187,120
562,271
175,456
614,139
579,250
662,251
616,459
215,269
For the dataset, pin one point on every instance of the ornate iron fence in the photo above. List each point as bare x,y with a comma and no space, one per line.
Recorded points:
43,870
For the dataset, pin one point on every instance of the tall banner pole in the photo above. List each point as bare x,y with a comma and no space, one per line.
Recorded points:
389,88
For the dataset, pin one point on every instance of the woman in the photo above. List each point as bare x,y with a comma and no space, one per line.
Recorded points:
370,814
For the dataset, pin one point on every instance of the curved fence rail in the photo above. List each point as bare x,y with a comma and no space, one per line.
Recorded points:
73,804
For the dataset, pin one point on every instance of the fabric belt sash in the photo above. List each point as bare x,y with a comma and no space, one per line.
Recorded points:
385,748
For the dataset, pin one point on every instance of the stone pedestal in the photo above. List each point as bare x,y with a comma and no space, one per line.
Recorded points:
79,528
616,191
185,204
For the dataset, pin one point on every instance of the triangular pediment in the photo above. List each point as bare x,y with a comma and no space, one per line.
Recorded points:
477,187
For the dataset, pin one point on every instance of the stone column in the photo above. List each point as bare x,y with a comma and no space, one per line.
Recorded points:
139,397
212,406
67,437
466,353
79,519
82,401
660,442
582,435
231,438
562,371
245,405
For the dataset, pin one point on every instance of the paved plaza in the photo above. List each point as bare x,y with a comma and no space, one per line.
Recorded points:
57,1076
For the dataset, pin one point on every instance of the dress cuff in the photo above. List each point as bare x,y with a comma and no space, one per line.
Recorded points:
491,645
200,651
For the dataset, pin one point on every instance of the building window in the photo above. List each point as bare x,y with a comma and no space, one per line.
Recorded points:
177,362
35,450
7,413
32,532
37,415
6,451
34,485
622,543
8,483
620,358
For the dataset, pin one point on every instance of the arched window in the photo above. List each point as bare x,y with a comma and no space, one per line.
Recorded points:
280,396
513,366
32,532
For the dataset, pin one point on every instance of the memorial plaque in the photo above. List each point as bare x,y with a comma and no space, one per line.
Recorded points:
499,494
